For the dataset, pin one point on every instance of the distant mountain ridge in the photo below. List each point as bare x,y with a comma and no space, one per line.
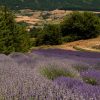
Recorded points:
52,4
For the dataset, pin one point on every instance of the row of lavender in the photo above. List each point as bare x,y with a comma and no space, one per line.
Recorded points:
21,77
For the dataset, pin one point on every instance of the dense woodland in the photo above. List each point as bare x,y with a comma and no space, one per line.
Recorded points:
52,4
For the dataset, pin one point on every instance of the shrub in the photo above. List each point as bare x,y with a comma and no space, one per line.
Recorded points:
69,38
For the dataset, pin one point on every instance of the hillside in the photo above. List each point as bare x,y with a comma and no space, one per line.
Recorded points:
91,45
53,4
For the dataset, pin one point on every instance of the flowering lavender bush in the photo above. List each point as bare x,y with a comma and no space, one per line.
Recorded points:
79,88
88,92
91,77
81,67
25,60
54,68
97,66
51,72
68,82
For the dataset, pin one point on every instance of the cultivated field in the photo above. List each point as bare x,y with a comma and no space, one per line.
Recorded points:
50,74
38,18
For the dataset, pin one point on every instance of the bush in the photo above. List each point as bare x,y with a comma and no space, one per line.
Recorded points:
82,24
50,35
69,38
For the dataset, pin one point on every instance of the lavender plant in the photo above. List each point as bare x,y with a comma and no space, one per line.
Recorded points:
68,82
81,67
54,68
91,77
88,92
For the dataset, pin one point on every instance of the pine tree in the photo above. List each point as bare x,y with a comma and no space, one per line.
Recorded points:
13,38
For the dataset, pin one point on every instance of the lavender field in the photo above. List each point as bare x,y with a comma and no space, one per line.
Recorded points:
50,74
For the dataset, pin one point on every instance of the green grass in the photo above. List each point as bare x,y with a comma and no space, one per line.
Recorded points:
89,80
97,47
85,50
53,73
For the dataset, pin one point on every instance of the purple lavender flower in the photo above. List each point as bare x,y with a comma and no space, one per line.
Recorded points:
67,82
88,92
91,75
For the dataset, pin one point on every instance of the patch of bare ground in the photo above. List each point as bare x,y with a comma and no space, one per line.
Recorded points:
85,44
35,18
27,19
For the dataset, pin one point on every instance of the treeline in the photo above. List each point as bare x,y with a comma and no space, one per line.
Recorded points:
52,4
13,37
75,26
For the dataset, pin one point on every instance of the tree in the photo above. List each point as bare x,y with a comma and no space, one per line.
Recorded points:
13,38
84,25
50,35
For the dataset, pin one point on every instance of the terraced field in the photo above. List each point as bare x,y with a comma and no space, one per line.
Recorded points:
51,74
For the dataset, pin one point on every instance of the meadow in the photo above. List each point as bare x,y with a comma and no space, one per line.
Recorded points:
50,74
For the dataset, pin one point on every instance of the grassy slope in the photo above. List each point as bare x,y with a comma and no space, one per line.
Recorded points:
82,45
53,4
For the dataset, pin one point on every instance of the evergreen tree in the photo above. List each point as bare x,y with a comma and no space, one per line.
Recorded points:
13,38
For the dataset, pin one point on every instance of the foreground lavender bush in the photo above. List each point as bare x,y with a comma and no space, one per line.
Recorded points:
88,92
67,82
91,77
51,72
97,66
24,60
81,67
54,68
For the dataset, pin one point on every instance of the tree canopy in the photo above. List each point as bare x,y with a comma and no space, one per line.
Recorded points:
84,25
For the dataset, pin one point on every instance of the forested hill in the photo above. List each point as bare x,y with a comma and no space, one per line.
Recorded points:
53,4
